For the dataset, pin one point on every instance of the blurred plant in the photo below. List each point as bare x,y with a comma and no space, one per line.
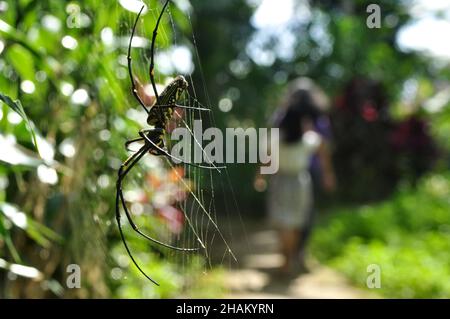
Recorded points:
19,158
361,130
70,76
408,236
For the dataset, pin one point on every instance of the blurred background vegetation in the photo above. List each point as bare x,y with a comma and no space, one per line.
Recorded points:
65,63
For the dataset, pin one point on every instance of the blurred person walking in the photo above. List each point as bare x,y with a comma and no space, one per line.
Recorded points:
290,197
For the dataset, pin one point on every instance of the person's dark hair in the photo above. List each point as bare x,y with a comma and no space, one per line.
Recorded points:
303,100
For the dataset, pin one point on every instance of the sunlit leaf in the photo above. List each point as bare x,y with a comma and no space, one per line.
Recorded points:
18,108
21,270
133,5
38,232
14,154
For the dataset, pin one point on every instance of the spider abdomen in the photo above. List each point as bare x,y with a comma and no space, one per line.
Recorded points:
162,111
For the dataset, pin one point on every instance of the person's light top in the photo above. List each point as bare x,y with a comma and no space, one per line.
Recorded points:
295,157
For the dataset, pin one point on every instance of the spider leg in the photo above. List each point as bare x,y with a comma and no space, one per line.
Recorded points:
129,252
185,107
122,173
143,133
136,229
128,143
130,71
152,55
138,153
133,159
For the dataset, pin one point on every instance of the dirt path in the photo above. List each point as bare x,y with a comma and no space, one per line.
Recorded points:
256,274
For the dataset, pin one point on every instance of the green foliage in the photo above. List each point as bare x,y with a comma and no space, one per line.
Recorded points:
10,215
81,140
50,52
407,236
17,107
64,62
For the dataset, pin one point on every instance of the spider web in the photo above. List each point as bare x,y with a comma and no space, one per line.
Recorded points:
175,204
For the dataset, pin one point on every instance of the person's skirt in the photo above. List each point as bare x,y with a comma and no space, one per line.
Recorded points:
290,199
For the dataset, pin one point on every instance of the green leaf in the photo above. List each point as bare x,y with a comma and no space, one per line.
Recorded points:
18,108
5,235
22,60
9,32
36,231
16,155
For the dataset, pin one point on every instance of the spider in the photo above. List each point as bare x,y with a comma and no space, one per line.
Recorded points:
153,138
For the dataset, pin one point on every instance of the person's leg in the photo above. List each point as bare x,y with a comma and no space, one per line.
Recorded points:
284,249
306,230
304,237
289,247
293,247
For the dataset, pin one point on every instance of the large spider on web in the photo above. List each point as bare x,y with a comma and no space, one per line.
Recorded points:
152,138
